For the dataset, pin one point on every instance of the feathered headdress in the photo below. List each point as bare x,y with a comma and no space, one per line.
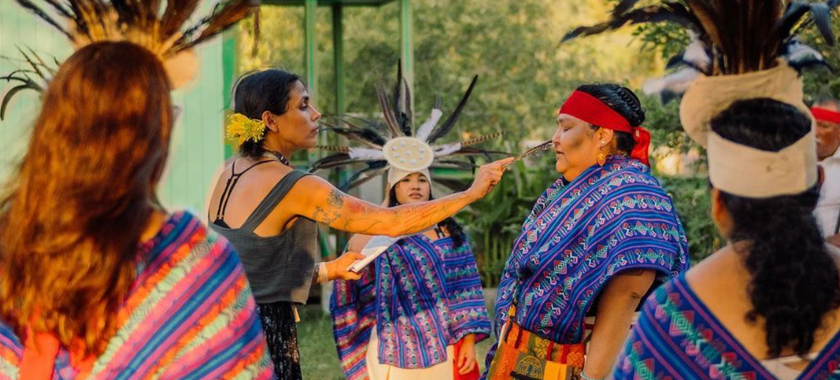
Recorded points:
395,142
727,36
165,30
740,49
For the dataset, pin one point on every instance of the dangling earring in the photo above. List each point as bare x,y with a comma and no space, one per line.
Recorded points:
602,158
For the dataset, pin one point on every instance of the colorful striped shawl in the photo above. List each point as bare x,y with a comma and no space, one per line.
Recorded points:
578,235
189,315
677,337
422,296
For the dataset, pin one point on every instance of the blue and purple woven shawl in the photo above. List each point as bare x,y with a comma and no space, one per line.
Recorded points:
678,337
579,235
422,296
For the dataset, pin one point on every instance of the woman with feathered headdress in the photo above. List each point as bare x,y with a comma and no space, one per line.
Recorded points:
429,279
97,281
767,305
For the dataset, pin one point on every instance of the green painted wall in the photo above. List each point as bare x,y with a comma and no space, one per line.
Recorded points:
198,140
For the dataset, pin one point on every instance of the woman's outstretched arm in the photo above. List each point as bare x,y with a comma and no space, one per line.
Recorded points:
323,203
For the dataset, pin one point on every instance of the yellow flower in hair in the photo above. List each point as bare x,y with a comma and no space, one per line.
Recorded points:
243,128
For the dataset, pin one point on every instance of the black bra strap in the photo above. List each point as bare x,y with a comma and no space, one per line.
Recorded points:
231,183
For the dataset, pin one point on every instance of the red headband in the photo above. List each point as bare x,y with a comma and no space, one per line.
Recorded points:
822,114
593,111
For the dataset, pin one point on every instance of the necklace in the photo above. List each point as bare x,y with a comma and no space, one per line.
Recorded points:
278,156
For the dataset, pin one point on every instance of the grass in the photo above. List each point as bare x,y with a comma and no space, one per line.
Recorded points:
319,360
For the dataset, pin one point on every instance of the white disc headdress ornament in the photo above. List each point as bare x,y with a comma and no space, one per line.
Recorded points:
396,144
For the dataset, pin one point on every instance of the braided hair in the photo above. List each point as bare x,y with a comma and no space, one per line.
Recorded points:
623,101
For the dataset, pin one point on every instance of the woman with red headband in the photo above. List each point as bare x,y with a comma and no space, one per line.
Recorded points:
596,242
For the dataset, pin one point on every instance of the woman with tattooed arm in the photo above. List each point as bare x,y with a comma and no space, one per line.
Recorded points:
269,211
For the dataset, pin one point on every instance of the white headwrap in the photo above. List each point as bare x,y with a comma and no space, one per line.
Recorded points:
742,170
396,175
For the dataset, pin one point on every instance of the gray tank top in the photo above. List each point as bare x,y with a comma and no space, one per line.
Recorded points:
280,267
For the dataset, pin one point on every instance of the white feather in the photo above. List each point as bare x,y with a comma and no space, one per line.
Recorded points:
677,82
695,53
445,150
366,154
426,128
798,51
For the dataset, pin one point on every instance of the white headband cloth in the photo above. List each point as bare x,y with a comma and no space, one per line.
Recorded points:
396,175
754,173
742,170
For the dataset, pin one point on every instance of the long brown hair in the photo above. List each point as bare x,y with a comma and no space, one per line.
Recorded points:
71,222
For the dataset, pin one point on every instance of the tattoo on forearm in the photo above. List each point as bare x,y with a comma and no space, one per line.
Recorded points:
361,217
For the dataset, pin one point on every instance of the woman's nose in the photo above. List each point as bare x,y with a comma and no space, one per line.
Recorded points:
556,137
315,114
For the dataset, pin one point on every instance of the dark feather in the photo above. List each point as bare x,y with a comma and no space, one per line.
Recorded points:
64,12
821,14
364,176
79,21
31,63
11,94
367,138
226,15
794,27
334,160
454,164
43,64
453,184
328,160
369,132
623,6
675,61
403,108
43,15
176,14
397,96
362,123
668,12
444,128
12,75
805,64
387,113
255,48
790,19
409,112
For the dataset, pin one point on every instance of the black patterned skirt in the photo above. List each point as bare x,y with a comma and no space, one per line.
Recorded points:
278,321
